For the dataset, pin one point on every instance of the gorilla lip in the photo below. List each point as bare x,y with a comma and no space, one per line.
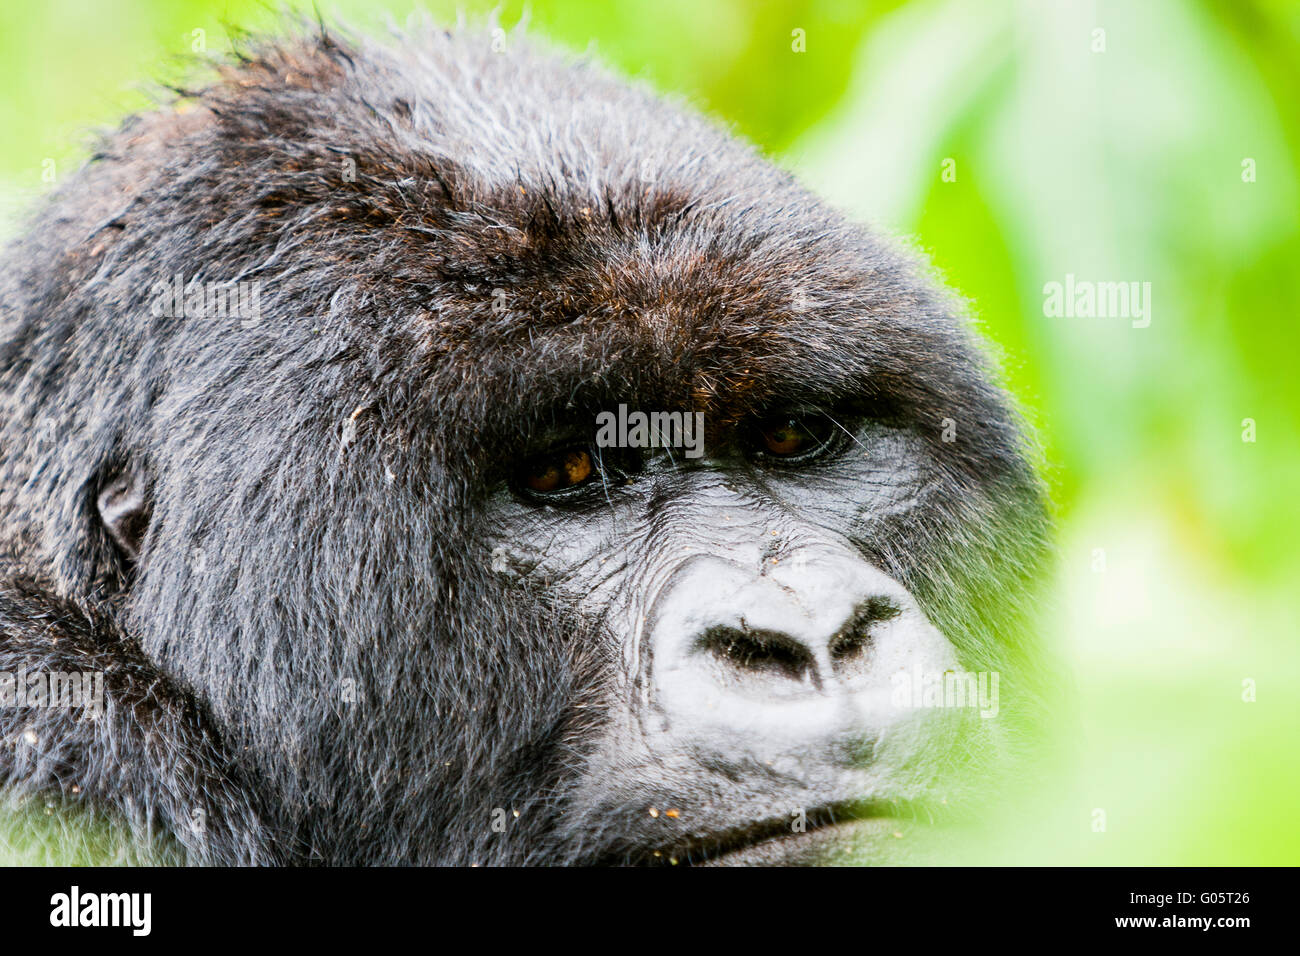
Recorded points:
773,840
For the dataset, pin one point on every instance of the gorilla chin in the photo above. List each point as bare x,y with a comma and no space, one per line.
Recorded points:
367,580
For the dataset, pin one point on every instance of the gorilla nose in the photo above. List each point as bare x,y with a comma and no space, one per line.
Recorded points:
802,651
792,660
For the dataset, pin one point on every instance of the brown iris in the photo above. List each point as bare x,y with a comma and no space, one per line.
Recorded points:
785,439
790,437
557,471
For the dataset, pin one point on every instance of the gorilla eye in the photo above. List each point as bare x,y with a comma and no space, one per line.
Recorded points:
794,437
557,471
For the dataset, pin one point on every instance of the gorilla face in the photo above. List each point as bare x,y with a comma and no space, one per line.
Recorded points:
756,645
373,582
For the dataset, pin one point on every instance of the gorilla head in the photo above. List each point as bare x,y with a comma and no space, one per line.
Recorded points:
457,456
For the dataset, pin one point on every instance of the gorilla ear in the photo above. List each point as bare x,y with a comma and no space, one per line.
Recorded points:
124,510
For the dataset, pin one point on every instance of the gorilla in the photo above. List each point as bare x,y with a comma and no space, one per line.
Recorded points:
301,378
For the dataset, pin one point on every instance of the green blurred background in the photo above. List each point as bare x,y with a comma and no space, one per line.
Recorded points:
1116,141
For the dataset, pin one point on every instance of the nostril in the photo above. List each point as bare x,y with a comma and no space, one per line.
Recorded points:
846,647
851,645
763,653
774,661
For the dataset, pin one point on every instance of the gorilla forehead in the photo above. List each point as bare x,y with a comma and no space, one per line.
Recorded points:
542,229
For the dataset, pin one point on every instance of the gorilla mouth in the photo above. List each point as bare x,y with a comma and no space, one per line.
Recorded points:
835,833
